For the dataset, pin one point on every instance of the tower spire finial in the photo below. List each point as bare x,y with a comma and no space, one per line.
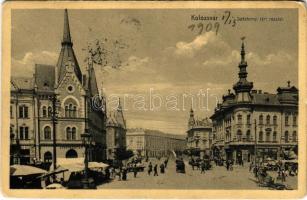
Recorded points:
66,33
242,50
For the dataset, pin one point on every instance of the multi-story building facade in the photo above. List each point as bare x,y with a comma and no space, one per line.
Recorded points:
250,122
116,133
154,143
199,136
64,89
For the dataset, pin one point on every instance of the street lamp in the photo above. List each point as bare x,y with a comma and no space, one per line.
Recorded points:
54,118
86,139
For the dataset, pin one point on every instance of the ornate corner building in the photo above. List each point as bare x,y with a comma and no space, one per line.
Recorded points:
250,122
199,138
57,101
116,133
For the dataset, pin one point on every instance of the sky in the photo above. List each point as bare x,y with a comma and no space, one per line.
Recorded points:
161,63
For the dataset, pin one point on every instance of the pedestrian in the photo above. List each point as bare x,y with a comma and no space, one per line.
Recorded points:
119,173
156,170
107,174
231,165
149,168
203,167
283,175
124,176
135,171
256,171
227,164
162,168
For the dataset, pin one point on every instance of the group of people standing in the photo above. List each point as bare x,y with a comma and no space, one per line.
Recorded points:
154,168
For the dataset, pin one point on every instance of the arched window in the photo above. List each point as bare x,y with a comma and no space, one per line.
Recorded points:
248,119
268,136
287,120
286,137
275,120
66,111
68,133
260,136
49,111
44,111
239,119
274,136
261,119
239,135
71,154
268,119
248,135
73,133
47,133
294,136
74,111
70,110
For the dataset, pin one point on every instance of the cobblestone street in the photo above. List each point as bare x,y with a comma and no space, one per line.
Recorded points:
217,178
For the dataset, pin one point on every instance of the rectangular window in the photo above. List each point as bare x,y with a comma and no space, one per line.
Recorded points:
23,112
24,132
20,111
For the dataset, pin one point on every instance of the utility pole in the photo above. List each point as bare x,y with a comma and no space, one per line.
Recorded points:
54,119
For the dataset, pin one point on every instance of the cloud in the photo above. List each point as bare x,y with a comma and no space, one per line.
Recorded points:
25,65
200,45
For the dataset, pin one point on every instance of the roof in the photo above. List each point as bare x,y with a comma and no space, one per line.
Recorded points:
67,53
44,77
148,132
265,99
22,83
116,119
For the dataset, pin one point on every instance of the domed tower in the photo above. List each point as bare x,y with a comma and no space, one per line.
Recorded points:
243,87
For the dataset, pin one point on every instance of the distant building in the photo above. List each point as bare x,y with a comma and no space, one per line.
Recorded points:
250,120
31,108
154,143
199,138
116,133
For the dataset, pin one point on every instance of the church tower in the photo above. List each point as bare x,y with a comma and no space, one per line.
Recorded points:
67,54
243,87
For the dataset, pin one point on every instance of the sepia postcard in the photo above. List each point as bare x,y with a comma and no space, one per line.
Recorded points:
153,99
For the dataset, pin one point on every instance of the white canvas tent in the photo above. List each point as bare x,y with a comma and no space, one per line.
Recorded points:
69,165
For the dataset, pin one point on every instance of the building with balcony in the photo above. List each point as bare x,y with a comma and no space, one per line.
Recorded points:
33,111
251,121
153,143
199,136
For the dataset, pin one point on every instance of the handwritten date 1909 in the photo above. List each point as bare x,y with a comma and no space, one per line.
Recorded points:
201,27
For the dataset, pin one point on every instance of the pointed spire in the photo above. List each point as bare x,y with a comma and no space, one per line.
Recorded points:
242,51
66,33
119,105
